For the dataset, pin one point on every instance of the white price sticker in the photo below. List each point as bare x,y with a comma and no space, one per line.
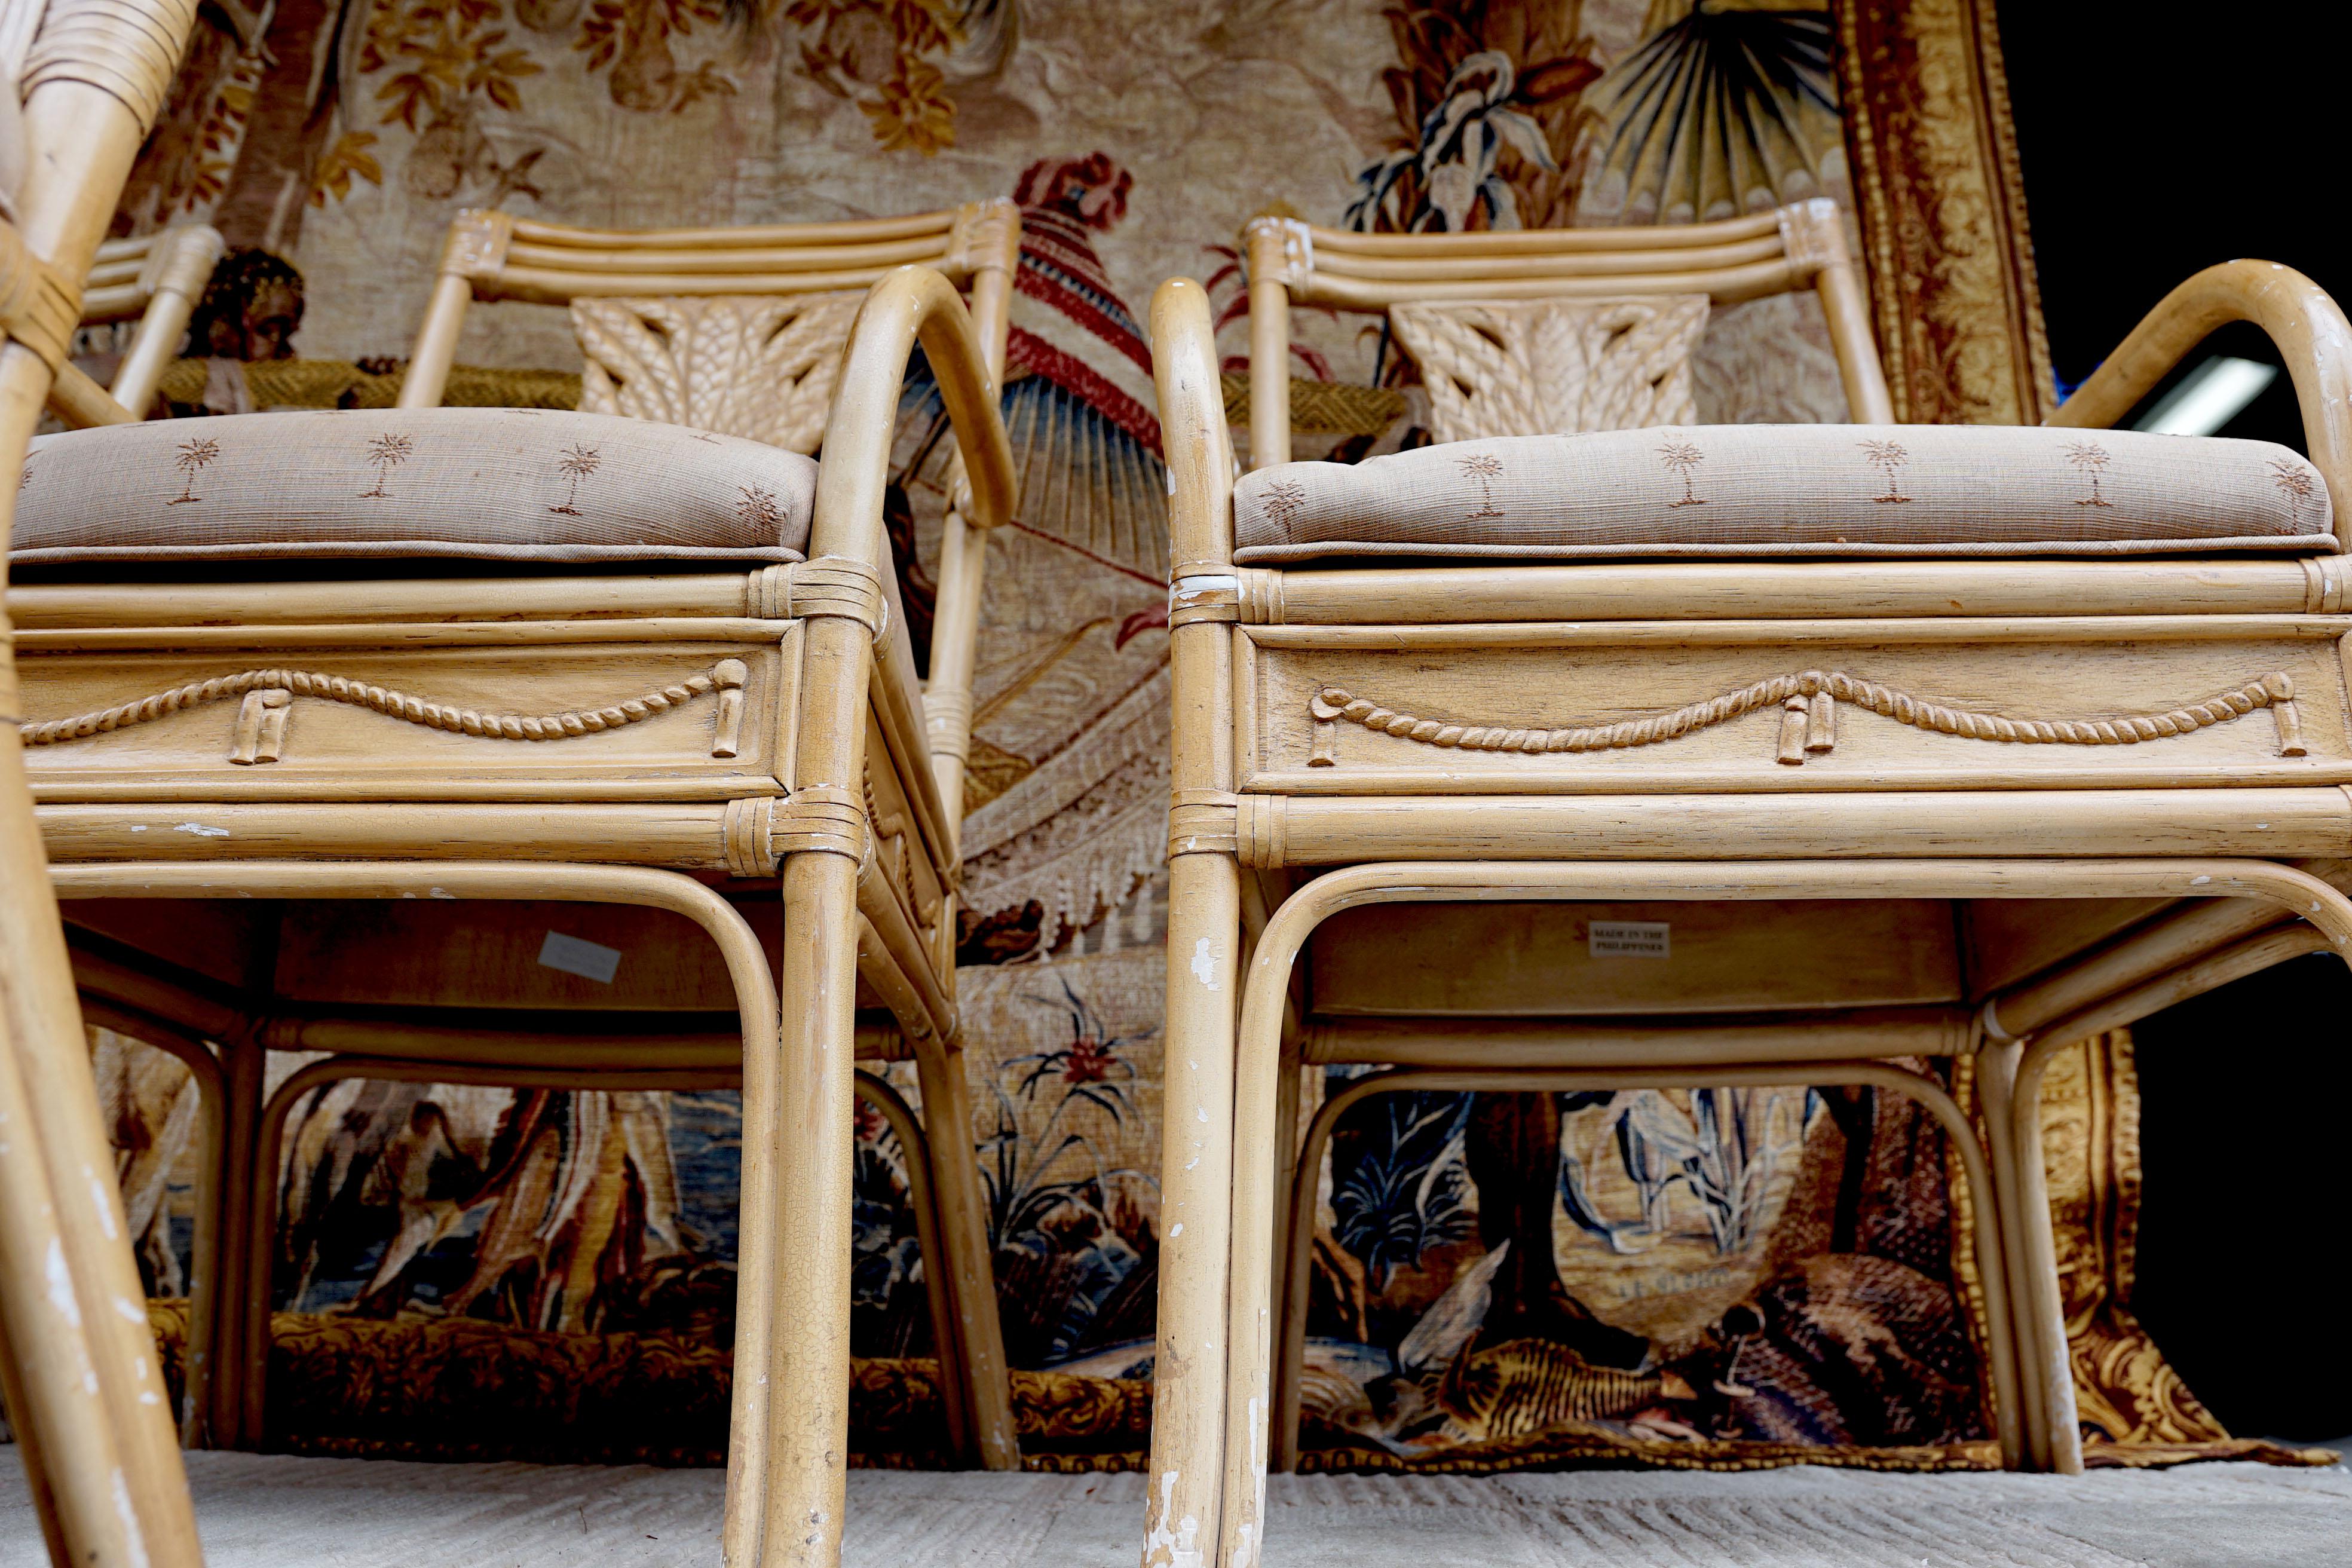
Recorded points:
589,960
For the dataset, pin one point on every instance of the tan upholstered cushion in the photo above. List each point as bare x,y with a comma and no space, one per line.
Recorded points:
1752,490
495,484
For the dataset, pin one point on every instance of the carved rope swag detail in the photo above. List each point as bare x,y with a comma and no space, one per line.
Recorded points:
1809,720
269,694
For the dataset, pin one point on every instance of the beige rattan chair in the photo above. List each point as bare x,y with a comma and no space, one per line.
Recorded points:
155,280
709,355
427,657
1560,331
1837,704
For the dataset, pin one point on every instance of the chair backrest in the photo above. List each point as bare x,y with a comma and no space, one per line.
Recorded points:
1791,248
491,255
156,278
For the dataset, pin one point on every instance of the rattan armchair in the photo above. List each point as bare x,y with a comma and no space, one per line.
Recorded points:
536,659
745,342
1838,705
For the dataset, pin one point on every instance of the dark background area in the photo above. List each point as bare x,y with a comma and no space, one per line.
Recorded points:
2155,139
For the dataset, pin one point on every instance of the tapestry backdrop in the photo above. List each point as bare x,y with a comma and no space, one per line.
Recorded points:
1722,1277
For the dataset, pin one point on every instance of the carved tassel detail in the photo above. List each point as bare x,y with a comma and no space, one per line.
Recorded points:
727,728
2283,712
1325,752
1821,724
261,726
1792,730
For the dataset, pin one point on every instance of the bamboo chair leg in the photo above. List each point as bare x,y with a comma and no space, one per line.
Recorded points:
755,1288
813,1155
2040,1301
18,1403
64,1436
966,1257
203,1285
69,1227
1188,1419
1996,1070
1284,1452
939,1293
243,1068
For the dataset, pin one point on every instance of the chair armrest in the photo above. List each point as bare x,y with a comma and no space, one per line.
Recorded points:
1194,436
181,269
915,304
912,304
2312,336
81,403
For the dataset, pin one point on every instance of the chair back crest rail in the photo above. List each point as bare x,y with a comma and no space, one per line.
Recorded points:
491,255
1798,246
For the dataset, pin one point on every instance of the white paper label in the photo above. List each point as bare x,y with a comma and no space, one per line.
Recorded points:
588,960
1633,938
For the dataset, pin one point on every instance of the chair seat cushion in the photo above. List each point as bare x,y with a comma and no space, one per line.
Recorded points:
492,484
1760,490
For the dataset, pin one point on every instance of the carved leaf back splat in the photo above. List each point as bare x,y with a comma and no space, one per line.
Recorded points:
761,368
268,695
1809,720
1554,367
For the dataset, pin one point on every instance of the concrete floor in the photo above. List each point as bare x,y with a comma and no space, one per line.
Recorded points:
260,1512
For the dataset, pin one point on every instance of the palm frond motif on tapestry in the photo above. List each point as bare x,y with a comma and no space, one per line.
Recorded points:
1730,108
1407,1190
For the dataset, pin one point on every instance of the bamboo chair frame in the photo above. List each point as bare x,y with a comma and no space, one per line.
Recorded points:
158,279
1730,260
2213,857
496,1048
77,1360
491,256
827,689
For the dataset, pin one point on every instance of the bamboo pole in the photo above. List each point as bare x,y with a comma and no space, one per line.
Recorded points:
70,1300
1188,1420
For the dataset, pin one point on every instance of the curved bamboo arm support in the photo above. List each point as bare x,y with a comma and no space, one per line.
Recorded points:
205,1245
911,305
2312,336
181,271
1193,423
